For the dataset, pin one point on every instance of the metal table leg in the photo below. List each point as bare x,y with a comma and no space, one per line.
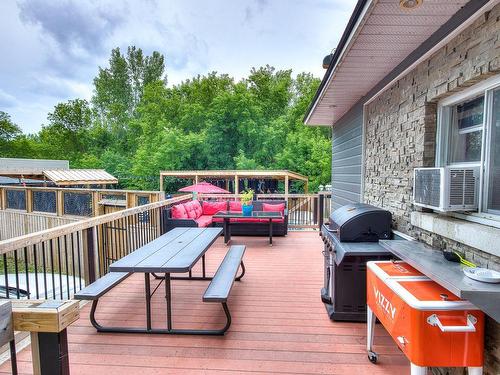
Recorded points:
168,296
147,284
270,232
227,234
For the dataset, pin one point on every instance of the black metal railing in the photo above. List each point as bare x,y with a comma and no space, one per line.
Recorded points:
57,262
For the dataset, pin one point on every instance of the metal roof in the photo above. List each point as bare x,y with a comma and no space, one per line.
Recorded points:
29,167
80,177
379,36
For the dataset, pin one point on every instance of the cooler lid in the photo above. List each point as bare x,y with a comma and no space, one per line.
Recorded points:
388,268
426,294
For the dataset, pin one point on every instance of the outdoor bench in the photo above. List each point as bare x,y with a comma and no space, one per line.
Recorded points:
101,286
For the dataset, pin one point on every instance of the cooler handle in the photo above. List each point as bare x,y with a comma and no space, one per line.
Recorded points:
433,320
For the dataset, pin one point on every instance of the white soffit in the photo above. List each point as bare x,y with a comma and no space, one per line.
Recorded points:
385,36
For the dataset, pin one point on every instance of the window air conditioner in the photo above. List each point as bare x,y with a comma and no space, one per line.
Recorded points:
446,188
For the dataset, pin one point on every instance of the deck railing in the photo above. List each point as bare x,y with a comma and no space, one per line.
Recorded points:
57,262
73,202
304,210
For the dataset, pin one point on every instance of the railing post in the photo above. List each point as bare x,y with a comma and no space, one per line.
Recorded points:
321,209
89,255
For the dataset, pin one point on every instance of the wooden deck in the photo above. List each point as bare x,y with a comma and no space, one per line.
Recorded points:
279,323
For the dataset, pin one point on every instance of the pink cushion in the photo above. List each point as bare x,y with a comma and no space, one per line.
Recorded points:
204,220
191,209
179,212
211,208
266,207
235,206
217,220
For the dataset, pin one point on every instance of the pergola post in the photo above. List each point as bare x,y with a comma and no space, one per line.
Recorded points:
236,184
161,181
286,187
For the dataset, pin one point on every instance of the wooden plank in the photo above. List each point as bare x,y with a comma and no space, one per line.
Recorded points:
184,260
43,315
101,285
221,284
130,261
6,326
154,262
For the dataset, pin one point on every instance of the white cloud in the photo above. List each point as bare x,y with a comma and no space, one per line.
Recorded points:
51,50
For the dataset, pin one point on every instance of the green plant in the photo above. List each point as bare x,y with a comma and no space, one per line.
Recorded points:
247,197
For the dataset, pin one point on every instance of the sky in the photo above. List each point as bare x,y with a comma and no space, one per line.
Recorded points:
51,50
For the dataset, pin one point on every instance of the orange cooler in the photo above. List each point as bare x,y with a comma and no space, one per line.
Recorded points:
432,326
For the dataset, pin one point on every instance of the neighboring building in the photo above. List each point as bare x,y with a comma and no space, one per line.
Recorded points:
419,87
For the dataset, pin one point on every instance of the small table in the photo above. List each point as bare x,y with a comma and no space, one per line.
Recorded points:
177,251
266,216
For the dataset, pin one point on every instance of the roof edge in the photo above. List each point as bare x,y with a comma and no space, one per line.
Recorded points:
358,10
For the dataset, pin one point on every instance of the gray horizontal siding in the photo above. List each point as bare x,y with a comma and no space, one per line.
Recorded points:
347,138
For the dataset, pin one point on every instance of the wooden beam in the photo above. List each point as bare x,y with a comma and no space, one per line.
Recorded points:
236,185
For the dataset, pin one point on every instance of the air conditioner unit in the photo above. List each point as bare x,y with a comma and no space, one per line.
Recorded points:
446,188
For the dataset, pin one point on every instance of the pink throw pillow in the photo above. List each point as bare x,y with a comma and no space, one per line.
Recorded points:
266,207
179,212
211,208
235,206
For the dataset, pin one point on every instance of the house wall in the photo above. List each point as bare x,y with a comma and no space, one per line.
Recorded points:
400,135
346,158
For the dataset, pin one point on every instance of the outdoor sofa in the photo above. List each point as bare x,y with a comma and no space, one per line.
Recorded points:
200,214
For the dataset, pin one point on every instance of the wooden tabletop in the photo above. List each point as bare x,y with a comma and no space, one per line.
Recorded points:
431,262
176,251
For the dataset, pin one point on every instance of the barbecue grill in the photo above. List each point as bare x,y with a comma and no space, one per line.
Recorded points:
350,240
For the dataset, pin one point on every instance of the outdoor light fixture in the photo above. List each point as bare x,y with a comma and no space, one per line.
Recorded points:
410,4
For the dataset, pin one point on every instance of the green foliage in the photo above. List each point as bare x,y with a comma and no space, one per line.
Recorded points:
247,197
136,126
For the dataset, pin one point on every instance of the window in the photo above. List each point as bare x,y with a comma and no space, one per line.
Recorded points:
469,135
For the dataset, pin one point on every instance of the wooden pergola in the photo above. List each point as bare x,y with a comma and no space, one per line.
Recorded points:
236,175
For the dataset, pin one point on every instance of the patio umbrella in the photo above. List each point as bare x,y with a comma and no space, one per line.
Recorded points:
204,188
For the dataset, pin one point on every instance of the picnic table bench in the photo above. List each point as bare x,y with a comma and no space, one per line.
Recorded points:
175,252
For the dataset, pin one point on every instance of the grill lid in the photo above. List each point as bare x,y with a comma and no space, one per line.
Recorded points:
361,222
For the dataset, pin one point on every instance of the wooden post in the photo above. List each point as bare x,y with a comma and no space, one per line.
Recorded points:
286,188
60,202
3,199
96,208
29,200
47,321
161,181
236,185
196,180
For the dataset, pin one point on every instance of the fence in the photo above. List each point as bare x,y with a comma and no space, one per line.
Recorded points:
57,262
304,210
72,202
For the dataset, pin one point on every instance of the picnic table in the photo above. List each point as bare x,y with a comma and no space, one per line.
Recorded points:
256,217
177,251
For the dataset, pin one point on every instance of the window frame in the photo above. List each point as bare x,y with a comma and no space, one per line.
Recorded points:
486,89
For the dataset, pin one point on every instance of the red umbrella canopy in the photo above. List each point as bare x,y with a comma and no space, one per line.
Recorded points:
204,188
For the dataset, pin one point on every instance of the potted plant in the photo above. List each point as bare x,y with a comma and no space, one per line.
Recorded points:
246,202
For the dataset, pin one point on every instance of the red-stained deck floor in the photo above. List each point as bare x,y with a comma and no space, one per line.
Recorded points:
279,323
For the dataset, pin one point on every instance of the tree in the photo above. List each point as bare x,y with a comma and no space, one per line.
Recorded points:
8,130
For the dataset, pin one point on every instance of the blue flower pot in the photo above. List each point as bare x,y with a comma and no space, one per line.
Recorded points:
247,210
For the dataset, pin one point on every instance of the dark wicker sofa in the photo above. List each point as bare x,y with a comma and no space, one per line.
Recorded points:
240,228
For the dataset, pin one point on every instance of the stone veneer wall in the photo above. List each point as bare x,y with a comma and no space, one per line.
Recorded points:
401,132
